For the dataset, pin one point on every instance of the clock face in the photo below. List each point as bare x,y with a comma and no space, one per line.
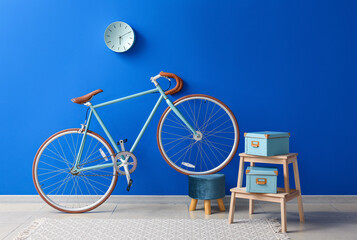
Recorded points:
119,37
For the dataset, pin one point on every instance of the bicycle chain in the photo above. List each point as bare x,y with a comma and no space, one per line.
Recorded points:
96,175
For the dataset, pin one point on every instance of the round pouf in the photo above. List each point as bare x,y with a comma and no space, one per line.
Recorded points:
206,187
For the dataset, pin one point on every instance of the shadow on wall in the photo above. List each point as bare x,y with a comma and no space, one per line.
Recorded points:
139,46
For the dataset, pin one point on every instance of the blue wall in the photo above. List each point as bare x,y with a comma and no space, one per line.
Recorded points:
279,65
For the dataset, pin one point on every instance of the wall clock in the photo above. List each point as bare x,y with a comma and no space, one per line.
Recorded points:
119,37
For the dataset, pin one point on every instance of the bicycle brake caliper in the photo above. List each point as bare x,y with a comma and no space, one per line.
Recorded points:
83,127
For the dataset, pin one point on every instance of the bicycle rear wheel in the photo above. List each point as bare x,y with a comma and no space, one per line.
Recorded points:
206,154
67,192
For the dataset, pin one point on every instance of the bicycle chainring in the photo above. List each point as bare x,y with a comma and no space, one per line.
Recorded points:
129,159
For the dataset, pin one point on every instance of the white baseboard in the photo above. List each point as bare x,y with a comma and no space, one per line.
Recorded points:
181,199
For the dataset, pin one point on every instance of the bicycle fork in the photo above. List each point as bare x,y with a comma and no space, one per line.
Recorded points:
176,111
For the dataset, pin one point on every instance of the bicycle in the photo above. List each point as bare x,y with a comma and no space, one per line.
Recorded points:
75,170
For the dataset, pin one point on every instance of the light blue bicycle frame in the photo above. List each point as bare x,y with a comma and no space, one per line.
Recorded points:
93,111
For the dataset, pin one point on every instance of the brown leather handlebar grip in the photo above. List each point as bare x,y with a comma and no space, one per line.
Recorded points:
179,83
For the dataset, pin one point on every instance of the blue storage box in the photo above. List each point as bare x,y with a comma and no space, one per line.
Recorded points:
267,143
261,179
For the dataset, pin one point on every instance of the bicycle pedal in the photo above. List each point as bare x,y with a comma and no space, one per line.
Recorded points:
124,141
129,185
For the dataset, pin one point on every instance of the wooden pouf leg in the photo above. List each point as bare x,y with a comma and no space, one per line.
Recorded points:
221,205
207,204
193,204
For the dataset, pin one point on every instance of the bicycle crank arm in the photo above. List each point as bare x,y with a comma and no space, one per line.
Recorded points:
128,179
126,169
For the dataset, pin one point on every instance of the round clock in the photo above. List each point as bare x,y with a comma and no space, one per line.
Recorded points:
119,37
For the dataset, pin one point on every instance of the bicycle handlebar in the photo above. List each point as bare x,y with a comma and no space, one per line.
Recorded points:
179,82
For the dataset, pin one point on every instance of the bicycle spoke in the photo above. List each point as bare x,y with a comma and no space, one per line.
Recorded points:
74,157
193,113
177,139
53,166
90,143
221,124
218,149
181,150
92,151
220,137
220,131
176,144
209,118
201,159
209,122
178,121
64,155
74,146
91,180
199,110
166,125
62,182
172,134
215,155
184,154
207,158
85,184
50,172
77,142
63,160
221,144
189,115
50,185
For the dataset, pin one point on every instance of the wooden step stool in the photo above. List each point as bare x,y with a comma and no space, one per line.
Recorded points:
284,194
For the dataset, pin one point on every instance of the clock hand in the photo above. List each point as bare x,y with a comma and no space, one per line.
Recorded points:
125,34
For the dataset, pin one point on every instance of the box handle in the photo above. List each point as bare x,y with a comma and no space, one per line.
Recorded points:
261,181
255,144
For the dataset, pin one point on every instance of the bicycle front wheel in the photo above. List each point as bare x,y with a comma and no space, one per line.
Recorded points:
68,192
207,153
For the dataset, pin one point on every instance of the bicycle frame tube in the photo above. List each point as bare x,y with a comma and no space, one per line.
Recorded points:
126,98
93,111
83,141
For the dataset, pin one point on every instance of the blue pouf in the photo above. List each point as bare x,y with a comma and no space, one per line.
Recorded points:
206,187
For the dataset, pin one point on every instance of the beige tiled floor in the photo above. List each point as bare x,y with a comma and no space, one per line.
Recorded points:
327,217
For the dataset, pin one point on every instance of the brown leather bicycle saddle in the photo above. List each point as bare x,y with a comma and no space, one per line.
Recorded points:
87,97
